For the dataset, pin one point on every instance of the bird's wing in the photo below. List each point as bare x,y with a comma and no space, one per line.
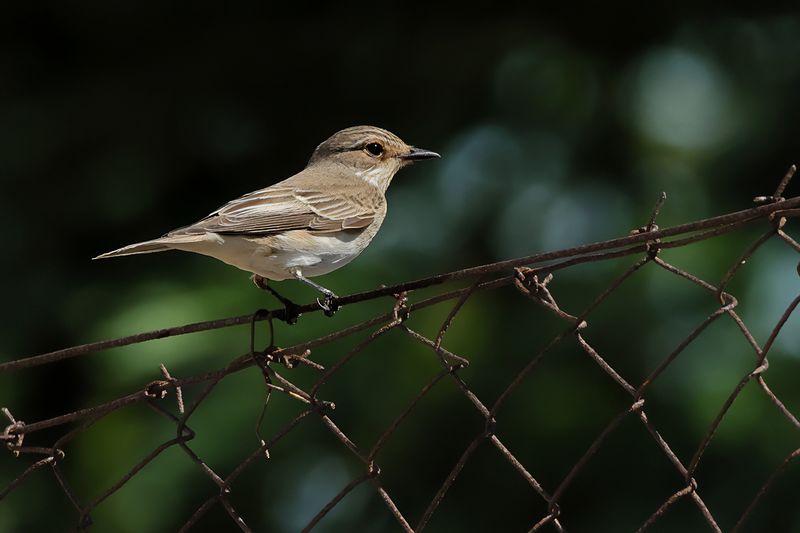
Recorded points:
283,207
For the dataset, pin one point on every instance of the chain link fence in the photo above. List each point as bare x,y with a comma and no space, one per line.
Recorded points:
532,277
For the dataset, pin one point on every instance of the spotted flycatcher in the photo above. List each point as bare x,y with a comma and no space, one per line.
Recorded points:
307,225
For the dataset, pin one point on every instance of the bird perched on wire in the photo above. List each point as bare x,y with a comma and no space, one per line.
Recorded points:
308,225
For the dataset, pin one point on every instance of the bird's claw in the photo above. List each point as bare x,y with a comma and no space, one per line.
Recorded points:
328,304
291,312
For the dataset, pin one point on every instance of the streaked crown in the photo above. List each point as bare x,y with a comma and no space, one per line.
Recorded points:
360,138
371,153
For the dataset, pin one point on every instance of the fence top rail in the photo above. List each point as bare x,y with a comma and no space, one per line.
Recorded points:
775,207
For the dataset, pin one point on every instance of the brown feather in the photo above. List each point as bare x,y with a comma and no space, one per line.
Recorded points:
298,203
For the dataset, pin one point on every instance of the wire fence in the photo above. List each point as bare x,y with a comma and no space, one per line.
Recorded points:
531,276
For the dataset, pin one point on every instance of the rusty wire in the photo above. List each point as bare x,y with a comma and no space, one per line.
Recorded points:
531,276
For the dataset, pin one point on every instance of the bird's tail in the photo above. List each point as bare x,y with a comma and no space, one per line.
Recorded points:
147,247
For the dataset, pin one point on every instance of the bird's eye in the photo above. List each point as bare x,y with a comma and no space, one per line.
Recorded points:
374,149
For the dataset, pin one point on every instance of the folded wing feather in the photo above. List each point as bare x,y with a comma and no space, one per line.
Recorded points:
276,209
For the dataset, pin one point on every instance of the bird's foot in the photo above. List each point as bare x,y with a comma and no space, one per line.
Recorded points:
291,311
328,304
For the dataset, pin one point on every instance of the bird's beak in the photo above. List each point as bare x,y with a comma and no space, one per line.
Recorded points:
417,154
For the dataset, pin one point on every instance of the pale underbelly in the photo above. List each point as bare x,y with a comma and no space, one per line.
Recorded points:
278,257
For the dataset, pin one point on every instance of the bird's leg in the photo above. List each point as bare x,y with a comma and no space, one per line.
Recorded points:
291,312
328,304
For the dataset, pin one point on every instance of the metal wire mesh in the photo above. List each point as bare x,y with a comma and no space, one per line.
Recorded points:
531,276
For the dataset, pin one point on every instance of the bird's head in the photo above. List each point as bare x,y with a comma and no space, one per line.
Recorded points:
373,154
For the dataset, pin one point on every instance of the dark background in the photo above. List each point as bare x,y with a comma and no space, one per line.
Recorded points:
119,122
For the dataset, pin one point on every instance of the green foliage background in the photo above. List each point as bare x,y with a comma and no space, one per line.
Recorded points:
557,127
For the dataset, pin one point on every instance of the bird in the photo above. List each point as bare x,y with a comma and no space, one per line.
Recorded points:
307,225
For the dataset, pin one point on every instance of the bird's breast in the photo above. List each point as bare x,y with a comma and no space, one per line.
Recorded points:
314,253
